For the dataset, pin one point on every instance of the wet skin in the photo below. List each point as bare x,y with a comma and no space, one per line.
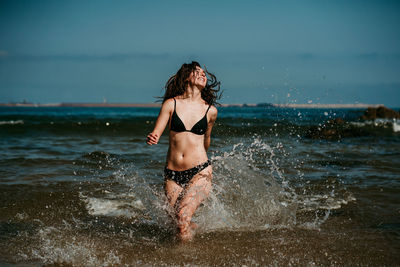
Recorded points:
187,150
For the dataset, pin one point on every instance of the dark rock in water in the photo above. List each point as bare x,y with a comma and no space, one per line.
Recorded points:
335,121
380,112
335,129
267,105
338,128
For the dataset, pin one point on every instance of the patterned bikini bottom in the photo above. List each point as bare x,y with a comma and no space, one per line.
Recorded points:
182,178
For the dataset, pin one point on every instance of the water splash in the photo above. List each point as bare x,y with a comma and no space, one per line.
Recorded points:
63,245
250,192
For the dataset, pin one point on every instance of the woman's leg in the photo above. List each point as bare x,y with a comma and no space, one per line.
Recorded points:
193,195
172,190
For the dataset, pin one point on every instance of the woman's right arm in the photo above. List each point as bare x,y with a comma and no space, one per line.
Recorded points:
162,121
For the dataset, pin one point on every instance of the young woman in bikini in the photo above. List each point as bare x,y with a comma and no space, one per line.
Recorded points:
188,110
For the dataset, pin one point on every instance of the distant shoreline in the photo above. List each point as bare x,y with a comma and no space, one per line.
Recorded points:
151,105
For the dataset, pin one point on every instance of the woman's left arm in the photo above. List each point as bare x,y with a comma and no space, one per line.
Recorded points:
213,117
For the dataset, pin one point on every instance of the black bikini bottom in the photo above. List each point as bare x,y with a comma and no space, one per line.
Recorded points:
183,177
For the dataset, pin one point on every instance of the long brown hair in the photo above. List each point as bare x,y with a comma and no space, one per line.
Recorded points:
177,84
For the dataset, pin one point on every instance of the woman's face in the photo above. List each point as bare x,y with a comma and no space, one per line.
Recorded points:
198,78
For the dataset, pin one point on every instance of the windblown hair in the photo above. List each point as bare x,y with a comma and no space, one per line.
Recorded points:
177,84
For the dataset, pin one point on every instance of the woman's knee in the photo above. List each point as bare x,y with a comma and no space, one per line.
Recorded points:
184,217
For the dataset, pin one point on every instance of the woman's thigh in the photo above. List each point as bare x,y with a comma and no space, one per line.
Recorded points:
196,191
173,191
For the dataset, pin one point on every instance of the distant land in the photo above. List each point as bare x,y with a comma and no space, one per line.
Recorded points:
149,105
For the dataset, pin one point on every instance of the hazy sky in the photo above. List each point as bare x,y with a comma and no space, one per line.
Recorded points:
262,51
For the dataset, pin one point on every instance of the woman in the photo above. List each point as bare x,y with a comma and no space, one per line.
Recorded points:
188,110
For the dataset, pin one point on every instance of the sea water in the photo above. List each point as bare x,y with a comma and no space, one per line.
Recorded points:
80,187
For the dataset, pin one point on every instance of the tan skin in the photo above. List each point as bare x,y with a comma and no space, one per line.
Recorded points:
187,150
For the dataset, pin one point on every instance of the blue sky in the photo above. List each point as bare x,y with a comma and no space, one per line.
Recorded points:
262,51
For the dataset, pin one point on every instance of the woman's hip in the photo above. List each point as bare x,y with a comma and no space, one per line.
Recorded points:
183,177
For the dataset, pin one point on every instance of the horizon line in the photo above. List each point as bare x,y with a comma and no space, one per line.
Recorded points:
121,104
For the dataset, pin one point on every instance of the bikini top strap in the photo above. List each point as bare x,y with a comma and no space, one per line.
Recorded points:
174,104
208,108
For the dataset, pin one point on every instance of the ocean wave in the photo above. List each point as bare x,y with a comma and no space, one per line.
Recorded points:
396,127
126,205
223,128
242,122
11,122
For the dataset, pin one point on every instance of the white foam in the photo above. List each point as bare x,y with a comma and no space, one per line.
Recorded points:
124,205
314,225
396,127
324,202
376,123
55,246
11,122
385,123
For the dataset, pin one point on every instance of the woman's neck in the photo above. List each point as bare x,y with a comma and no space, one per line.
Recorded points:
192,93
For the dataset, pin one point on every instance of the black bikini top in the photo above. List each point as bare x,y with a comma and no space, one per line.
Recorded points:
177,125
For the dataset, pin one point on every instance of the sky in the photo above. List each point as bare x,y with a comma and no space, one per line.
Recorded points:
261,51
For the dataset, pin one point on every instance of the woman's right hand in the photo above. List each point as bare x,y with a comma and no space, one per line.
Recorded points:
162,120
152,139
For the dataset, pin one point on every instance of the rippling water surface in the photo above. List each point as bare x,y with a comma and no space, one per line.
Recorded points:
80,187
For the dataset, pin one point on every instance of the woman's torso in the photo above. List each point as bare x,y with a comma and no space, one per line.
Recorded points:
186,149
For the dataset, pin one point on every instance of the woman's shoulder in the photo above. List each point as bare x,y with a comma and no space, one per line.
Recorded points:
168,104
213,110
169,101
